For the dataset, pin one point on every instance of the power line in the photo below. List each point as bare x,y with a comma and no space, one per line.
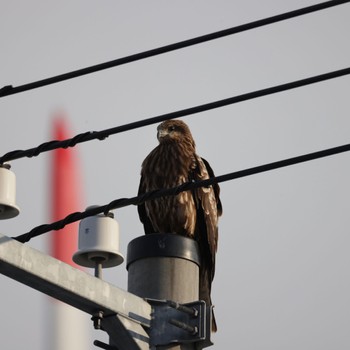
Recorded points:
101,135
10,90
123,202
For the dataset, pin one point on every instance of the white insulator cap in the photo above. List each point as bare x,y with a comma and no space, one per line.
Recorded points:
8,207
98,242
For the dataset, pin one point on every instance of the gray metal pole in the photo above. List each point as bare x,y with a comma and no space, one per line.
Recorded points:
164,267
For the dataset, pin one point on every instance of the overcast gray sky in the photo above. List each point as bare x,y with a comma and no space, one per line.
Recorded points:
282,279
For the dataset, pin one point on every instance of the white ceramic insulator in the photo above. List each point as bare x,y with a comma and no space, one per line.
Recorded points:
8,207
98,240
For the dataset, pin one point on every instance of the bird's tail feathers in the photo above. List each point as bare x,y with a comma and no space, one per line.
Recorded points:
205,291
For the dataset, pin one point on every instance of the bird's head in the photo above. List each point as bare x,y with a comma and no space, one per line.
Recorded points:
174,131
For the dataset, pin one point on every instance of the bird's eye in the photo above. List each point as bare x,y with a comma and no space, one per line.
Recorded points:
171,128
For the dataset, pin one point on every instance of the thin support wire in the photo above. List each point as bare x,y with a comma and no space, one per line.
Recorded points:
10,90
123,202
103,134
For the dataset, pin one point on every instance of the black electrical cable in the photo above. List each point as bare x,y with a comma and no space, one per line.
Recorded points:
10,90
101,135
123,202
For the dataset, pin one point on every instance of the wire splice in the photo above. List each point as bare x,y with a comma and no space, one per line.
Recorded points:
123,202
103,134
11,90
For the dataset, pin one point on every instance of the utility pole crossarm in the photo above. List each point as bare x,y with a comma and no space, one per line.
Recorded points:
70,285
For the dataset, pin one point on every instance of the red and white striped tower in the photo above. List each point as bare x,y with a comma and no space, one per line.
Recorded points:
70,327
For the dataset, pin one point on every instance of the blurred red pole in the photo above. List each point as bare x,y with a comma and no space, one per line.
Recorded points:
68,327
66,195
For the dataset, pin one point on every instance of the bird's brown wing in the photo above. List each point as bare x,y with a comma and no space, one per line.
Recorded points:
209,209
216,187
141,208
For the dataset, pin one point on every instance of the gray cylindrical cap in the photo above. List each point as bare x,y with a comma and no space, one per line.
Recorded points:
164,266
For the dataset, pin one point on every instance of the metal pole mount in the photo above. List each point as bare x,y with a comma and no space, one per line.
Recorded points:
164,269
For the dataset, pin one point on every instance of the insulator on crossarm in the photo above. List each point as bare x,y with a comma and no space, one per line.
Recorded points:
98,245
8,207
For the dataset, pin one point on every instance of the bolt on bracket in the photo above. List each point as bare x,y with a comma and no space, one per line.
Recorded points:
174,323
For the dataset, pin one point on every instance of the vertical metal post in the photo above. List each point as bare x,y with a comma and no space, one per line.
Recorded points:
164,267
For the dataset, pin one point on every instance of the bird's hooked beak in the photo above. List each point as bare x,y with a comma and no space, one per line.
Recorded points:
162,133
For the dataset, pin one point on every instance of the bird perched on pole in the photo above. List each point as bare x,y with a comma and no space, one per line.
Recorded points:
192,213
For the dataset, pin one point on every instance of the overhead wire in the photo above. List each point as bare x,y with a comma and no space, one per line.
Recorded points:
103,134
123,202
10,90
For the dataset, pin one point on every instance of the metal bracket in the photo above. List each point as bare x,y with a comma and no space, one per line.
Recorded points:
124,332
180,323
105,346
